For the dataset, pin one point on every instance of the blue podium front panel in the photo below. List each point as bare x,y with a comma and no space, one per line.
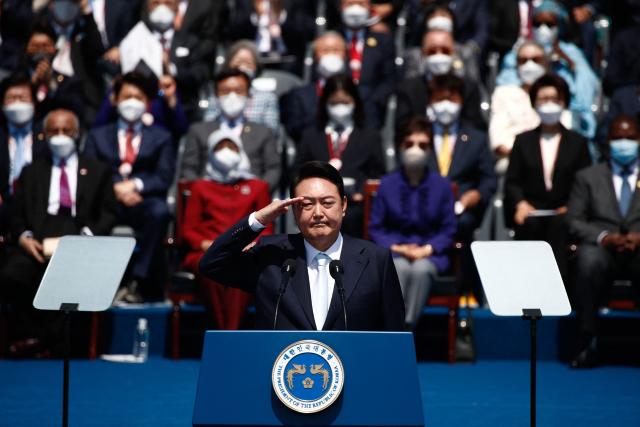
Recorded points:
379,375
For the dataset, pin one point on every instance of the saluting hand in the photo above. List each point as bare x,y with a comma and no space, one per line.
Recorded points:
274,209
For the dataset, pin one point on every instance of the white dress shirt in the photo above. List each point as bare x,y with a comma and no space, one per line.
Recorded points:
549,144
632,179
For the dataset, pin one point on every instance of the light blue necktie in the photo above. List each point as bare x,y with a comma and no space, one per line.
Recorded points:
625,192
320,294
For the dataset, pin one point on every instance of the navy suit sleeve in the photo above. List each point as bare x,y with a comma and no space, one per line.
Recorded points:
159,180
488,182
90,148
225,261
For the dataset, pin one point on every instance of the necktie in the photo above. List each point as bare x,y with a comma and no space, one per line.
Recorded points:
130,152
65,192
320,296
355,58
625,192
444,155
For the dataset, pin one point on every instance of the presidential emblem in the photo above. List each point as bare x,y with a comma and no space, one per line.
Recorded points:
308,376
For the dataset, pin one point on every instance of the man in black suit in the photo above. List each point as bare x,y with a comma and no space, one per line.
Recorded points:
299,108
604,215
61,194
370,60
625,100
438,51
311,302
142,163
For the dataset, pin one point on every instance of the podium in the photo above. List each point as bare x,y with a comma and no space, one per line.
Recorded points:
379,381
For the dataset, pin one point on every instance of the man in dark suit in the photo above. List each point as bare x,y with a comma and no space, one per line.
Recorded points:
232,90
79,47
438,51
142,162
370,59
299,108
625,100
311,302
604,215
61,194
21,139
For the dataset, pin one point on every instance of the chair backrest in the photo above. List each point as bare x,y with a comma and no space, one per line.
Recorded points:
182,197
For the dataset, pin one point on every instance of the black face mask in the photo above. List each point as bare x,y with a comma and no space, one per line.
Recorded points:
37,57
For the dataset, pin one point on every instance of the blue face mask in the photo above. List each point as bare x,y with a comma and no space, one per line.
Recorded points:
624,151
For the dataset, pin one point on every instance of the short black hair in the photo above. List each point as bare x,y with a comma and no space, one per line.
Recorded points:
17,78
553,80
42,26
227,73
332,85
449,82
416,124
318,169
148,85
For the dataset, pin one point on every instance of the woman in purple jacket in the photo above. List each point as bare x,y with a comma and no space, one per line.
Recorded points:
413,216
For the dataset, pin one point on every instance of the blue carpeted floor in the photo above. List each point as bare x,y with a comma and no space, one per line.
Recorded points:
161,393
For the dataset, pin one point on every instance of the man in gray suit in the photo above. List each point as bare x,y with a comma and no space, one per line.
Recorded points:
604,215
232,91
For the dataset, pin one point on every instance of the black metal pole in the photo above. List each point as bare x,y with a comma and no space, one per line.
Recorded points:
533,370
65,384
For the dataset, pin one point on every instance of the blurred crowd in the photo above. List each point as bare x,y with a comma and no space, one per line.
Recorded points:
170,120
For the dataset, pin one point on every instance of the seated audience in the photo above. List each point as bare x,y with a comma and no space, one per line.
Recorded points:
78,48
511,110
625,100
260,144
142,162
567,60
340,139
209,214
438,58
603,214
370,60
542,167
299,105
413,216
509,24
60,194
262,105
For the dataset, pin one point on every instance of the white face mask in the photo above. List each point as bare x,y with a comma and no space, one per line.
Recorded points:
414,157
545,35
232,105
225,160
440,23
62,146
530,71
131,109
549,113
355,16
341,114
438,64
329,65
162,17
446,111
19,113
65,11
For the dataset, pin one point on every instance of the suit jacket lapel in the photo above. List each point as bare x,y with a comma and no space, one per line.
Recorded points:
82,184
564,151
354,262
458,151
536,154
300,280
607,183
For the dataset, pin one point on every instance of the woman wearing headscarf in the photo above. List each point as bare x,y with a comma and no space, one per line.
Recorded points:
227,193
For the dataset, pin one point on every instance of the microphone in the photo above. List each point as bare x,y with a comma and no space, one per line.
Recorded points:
337,271
288,270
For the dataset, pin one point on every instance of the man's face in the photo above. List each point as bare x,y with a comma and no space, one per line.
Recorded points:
330,45
624,128
437,41
446,95
319,215
171,4
41,43
20,93
129,91
363,3
237,85
61,122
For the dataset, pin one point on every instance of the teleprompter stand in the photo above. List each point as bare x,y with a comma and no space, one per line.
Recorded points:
83,275
517,276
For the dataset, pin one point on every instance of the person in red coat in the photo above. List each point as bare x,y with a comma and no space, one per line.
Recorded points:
228,193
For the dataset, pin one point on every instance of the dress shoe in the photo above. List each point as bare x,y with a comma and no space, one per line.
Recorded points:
587,358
